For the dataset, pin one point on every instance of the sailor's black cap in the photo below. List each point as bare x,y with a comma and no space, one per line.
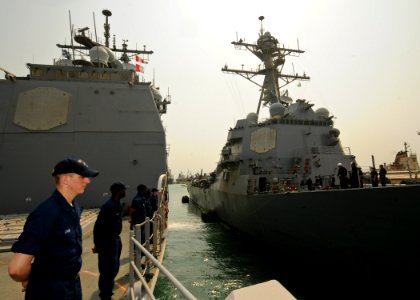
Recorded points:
117,187
74,165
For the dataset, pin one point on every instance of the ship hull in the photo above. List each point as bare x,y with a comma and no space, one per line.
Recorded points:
358,234
114,127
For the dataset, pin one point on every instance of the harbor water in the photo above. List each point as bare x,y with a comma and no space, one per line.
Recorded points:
208,258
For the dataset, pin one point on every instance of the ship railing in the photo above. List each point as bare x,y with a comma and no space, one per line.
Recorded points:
143,252
143,291
141,258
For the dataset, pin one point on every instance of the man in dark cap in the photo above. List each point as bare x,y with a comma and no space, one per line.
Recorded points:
47,257
107,241
138,207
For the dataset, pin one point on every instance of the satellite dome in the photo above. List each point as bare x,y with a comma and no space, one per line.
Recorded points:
334,132
252,118
322,113
277,110
98,55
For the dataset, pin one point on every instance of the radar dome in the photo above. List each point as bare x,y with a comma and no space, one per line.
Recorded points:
277,110
334,132
98,55
252,118
322,112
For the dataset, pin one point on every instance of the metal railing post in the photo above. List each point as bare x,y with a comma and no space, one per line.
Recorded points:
147,244
155,234
137,236
131,257
162,221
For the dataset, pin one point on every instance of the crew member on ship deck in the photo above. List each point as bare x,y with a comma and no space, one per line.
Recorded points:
47,257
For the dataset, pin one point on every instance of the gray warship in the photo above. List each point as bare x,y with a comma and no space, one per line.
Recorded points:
276,181
90,104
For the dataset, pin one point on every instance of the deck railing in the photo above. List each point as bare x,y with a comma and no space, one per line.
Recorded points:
143,254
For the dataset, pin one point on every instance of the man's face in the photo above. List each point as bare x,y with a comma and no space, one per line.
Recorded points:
76,183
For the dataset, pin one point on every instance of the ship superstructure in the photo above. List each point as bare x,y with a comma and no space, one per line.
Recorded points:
91,104
405,168
294,145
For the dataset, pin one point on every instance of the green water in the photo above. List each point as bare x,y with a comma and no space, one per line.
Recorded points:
207,258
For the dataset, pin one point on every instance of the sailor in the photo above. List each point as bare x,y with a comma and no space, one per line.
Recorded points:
374,176
107,241
382,175
342,175
47,257
354,175
138,209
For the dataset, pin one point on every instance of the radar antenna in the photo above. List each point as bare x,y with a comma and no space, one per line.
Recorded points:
107,13
261,18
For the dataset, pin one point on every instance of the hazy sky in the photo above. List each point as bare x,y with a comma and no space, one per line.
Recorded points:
363,58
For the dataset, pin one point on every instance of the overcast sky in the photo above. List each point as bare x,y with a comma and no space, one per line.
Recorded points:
363,58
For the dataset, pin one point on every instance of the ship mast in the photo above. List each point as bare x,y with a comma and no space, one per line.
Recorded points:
408,159
269,51
87,43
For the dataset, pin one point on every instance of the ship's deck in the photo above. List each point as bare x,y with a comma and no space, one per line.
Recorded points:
10,229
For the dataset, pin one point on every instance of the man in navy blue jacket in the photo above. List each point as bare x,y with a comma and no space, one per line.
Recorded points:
47,257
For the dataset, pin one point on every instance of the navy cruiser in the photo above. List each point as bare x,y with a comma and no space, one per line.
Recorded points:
277,182
92,104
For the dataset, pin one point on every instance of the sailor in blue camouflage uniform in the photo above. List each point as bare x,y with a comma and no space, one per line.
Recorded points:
47,256
107,241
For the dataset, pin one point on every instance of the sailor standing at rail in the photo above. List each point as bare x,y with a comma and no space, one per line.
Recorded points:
342,175
138,209
107,240
47,257
382,175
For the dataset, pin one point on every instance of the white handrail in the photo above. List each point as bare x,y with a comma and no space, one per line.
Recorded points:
159,226
187,294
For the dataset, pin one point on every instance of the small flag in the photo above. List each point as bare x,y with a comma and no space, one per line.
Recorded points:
140,60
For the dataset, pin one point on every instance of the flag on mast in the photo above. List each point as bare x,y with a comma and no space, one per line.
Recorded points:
139,68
